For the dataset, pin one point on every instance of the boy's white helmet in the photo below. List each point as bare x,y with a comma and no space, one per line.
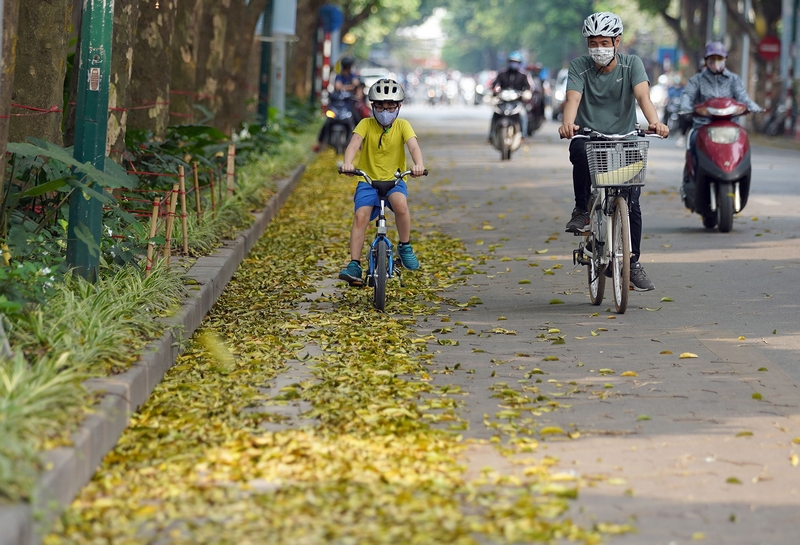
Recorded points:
602,23
386,89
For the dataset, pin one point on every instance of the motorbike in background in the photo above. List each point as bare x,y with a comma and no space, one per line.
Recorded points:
508,106
716,177
340,120
535,107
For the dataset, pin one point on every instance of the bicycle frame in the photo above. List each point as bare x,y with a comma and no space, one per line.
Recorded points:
381,235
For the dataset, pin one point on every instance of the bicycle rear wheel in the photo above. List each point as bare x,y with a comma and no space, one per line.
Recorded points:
621,254
381,274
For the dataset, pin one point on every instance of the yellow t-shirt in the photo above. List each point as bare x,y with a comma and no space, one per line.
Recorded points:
383,152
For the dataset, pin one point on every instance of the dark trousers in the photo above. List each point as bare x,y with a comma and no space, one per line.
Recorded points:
582,186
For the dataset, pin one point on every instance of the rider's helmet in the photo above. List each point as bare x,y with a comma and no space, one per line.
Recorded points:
715,48
602,23
347,63
515,56
386,89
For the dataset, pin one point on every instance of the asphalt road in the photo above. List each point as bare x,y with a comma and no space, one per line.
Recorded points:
682,449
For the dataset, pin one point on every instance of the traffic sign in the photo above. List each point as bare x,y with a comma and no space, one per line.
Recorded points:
769,48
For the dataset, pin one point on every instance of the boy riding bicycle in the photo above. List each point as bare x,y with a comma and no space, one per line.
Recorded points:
612,84
382,153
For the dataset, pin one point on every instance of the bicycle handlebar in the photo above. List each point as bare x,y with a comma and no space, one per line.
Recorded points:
398,175
592,134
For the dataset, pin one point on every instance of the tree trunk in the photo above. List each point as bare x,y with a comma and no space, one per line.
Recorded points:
152,59
184,59
41,64
126,15
211,50
299,74
237,92
9,37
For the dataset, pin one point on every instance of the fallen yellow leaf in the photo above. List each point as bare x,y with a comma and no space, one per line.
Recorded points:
687,355
630,374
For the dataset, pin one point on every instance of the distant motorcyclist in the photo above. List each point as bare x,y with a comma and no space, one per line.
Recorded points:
347,79
714,81
345,85
512,77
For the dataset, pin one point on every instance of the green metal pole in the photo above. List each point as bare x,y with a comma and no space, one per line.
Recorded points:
266,62
91,126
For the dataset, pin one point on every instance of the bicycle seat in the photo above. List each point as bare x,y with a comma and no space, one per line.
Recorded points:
383,187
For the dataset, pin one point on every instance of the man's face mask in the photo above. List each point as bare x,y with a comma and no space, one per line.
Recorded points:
601,55
513,65
717,66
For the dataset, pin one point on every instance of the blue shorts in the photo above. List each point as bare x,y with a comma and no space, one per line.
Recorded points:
366,195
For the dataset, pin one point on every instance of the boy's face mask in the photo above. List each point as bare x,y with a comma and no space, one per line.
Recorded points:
385,117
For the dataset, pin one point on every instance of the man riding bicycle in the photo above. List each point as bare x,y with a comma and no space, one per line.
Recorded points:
612,84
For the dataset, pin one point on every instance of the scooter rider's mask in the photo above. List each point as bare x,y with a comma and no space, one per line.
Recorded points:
715,64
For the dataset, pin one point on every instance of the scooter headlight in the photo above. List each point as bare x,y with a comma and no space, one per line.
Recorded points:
330,113
723,135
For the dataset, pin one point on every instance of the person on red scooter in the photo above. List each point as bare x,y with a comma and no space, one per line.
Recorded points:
714,81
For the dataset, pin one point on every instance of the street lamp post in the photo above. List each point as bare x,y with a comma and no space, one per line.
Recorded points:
91,125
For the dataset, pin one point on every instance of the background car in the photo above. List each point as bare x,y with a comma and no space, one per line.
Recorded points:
371,74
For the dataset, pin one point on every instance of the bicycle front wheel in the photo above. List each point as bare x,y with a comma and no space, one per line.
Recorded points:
597,277
381,274
621,254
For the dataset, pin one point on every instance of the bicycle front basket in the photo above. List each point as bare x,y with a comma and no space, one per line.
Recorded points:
620,162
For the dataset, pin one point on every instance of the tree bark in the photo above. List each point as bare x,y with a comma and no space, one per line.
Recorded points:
41,64
126,14
237,92
9,37
299,73
150,75
184,59
211,54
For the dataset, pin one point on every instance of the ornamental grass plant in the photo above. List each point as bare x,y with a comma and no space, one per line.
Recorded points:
79,330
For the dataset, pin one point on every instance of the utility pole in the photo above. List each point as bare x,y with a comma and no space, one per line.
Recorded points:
91,126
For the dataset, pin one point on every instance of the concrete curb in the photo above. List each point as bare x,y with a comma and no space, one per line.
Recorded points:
71,468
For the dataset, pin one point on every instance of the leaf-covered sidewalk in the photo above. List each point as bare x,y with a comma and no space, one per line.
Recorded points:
218,456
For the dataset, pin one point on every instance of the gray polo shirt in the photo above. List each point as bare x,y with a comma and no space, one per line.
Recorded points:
607,102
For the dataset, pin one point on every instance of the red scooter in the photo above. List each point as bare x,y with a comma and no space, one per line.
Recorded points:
717,184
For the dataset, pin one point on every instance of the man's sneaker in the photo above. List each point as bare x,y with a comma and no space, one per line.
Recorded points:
352,274
579,222
639,278
407,257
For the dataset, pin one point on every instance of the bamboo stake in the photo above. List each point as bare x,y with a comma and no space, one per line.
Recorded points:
184,226
150,244
231,163
197,194
213,196
173,204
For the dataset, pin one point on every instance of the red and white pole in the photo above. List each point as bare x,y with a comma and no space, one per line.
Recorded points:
326,67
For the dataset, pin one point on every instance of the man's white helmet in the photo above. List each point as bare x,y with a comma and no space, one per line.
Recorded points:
602,23
386,89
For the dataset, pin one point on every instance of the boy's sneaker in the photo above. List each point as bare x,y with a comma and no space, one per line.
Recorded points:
352,274
407,257
579,222
639,278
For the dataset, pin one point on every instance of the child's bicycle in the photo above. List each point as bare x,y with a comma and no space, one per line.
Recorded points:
382,265
616,163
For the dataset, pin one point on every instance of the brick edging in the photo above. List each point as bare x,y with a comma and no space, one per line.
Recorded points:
71,468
